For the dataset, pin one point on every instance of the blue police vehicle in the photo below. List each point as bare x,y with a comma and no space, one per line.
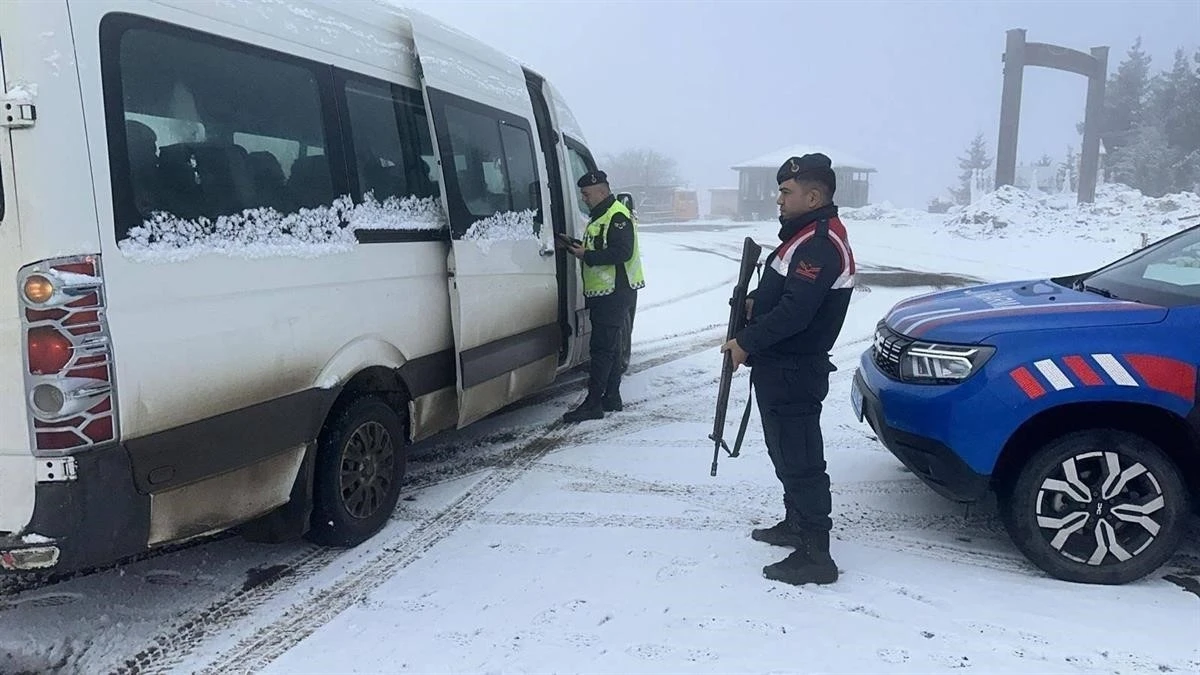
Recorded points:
1073,399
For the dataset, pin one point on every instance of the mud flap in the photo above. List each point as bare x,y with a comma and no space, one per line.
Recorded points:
292,520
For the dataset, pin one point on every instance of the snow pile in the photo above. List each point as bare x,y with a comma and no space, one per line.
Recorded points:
503,226
265,232
1118,213
887,213
998,211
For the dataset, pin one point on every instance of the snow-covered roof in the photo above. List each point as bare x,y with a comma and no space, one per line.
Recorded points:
772,160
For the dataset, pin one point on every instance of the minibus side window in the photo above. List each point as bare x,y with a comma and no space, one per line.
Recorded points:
494,166
202,127
475,141
522,176
580,165
389,133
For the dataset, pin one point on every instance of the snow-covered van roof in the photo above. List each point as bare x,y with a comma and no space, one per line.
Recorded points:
772,160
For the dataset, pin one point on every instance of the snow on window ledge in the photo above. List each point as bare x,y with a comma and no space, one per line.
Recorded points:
394,213
266,233
503,226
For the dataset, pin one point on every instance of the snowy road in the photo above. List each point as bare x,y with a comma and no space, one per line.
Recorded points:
526,545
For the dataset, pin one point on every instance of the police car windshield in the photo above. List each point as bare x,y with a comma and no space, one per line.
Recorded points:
1165,274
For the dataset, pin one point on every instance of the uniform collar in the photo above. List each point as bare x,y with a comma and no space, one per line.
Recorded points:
792,226
602,207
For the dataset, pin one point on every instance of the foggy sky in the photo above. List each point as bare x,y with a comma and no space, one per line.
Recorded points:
904,85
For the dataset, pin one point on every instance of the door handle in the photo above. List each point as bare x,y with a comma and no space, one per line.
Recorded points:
546,252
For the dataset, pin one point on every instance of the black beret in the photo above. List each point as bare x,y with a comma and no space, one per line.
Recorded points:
816,167
592,178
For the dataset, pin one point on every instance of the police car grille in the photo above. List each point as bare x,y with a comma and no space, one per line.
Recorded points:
887,349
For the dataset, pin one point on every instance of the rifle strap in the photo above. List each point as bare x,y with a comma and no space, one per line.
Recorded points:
737,444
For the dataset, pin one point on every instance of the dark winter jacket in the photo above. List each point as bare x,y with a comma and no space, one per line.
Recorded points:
801,300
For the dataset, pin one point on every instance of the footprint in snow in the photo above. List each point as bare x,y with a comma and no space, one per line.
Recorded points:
678,567
893,656
861,609
649,652
458,638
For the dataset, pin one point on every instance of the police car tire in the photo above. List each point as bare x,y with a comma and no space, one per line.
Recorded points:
379,425
1019,509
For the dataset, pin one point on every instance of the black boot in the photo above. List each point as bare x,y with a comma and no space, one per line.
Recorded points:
808,564
590,409
779,534
612,403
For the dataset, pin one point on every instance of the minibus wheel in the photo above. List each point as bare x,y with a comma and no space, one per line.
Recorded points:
360,466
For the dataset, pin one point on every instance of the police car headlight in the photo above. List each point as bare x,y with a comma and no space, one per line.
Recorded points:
934,363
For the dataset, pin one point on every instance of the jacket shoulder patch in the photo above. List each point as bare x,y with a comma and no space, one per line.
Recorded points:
807,271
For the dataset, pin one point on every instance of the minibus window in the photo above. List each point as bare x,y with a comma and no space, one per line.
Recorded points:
211,128
389,133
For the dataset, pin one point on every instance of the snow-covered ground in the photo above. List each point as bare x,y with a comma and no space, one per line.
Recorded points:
523,545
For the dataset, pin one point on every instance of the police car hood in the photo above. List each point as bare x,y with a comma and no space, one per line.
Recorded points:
972,314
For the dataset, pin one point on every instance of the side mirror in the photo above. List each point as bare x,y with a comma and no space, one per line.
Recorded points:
626,199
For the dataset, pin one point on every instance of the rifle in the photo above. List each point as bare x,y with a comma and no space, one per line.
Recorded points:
737,321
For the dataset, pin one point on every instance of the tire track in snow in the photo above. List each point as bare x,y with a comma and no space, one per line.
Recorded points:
577,519
600,481
708,338
187,636
457,462
168,648
175,645
314,611
724,283
317,609
649,354
853,521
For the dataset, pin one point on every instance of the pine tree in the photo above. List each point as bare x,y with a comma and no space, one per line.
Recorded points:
1125,98
1175,108
976,157
1145,162
1160,151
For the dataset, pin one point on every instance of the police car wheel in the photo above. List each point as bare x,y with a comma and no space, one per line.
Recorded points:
360,466
1098,507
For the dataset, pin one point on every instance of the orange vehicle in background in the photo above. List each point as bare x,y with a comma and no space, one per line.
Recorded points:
686,205
663,204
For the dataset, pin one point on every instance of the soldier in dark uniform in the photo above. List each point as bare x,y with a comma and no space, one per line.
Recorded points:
612,273
796,314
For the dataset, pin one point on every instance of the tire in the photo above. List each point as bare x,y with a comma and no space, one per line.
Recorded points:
1087,533
361,458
